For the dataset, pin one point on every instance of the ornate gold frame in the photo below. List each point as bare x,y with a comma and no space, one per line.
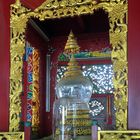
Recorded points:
50,9
12,135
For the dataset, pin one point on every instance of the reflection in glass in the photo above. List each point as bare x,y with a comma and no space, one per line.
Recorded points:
71,109
100,75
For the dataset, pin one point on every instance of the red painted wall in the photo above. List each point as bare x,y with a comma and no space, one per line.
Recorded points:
134,64
32,4
4,63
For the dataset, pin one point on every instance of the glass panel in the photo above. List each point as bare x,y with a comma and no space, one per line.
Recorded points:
102,102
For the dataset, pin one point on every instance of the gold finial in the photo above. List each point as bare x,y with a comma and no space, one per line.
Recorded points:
17,4
71,45
73,69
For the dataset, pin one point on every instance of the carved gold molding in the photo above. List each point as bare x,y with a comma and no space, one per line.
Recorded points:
119,135
35,99
117,11
12,136
18,24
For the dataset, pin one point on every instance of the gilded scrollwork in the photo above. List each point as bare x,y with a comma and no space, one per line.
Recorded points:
63,8
18,24
35,99
117,11
12,136
118,135
118,40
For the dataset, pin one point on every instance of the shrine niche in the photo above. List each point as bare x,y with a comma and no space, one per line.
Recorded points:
54,10
97,66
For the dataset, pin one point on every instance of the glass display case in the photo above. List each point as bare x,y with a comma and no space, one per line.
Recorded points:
71,109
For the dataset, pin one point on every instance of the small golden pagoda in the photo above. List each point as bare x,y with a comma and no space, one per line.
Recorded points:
71,46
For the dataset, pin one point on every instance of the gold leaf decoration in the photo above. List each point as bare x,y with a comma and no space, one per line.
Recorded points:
12,136
35,99
119,135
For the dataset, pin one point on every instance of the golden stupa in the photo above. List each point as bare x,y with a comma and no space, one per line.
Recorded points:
71,46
